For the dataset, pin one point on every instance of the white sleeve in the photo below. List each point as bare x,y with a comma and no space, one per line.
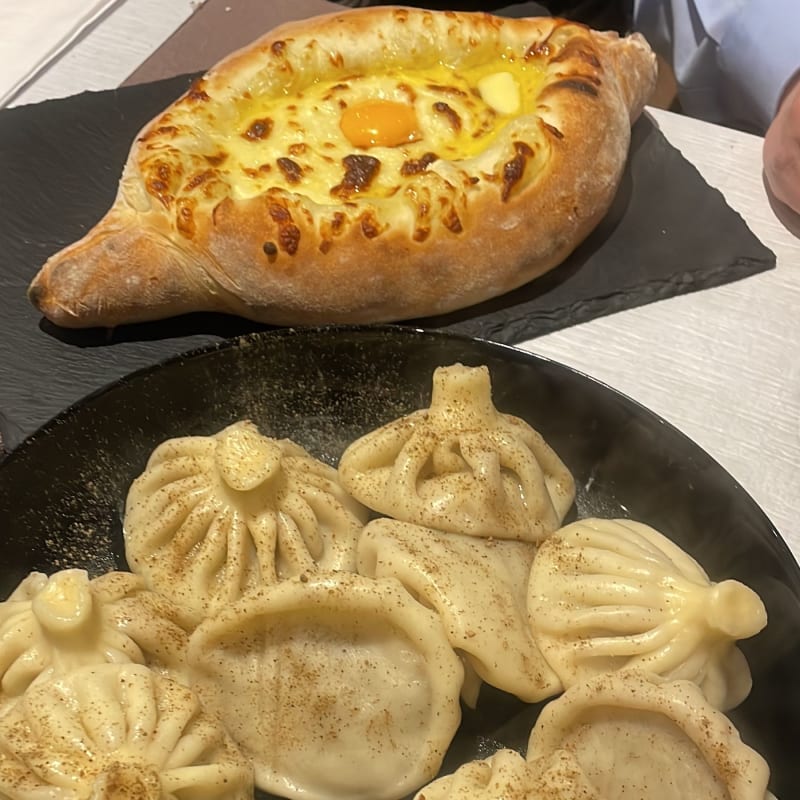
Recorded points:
759,53
731,58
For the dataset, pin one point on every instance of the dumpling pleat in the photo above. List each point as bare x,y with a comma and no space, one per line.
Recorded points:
140,708
189,539
194,782
17,634
162,520
172,474
610,594
598,590
612,618
299,540
217,560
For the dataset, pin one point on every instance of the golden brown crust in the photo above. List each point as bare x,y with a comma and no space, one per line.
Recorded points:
446,234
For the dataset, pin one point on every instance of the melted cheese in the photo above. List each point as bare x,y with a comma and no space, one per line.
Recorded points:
297,141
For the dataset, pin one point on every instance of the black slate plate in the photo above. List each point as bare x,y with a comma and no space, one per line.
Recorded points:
667,233
62,490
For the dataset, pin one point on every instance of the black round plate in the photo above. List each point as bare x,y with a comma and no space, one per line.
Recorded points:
63,489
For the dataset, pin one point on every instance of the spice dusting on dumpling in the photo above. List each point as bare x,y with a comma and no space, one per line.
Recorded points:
611,594
614,737
461,466
117,731
479,588
214,517
271,636
335,685
633,734
51,625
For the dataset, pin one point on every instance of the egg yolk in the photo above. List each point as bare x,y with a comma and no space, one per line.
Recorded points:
379,122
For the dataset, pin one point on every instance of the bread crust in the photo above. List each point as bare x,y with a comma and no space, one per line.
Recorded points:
178,239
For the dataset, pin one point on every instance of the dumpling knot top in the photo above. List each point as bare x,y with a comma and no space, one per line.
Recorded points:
214,517
461,466
50,626
611,594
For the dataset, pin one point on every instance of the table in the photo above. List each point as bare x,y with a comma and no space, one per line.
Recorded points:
721,364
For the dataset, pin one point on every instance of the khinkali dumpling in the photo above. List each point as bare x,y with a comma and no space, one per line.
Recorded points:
461,466
214,517
506,775
117,731
479,587
52,625
635,735
337,686
608,594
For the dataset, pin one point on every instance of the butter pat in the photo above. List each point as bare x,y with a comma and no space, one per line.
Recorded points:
500,90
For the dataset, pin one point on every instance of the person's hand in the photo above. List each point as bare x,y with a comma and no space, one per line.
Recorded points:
782,149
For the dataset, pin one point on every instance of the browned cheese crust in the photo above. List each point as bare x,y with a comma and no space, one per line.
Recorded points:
267,214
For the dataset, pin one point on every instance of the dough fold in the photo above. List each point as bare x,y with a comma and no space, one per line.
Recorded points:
212,518
479,588
117,731
335,685
461,466
612,594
